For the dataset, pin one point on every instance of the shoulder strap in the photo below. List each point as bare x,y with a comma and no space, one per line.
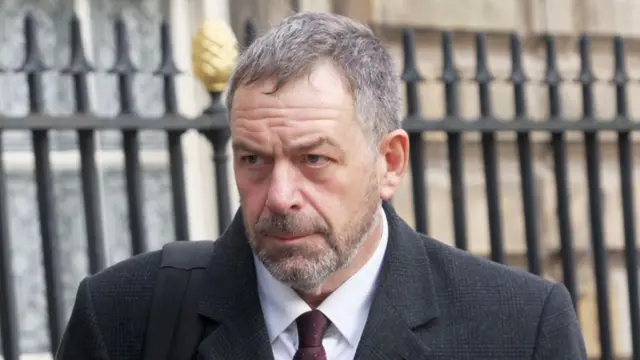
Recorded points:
175,301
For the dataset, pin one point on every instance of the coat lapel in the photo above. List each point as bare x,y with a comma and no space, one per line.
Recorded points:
404,303
231,303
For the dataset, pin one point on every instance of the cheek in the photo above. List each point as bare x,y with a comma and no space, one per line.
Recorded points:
252,197
356,188
337,199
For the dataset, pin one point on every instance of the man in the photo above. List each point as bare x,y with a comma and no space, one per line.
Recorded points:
316,264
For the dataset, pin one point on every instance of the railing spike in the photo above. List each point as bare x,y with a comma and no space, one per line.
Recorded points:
620,77
518,76
483,75
123,64
586,77
123,67
33,66
78,63
552,74
33,62
411,76
168,69
167,63
250,33
552,77
450,77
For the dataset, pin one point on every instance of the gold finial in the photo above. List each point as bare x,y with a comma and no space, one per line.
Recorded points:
214,54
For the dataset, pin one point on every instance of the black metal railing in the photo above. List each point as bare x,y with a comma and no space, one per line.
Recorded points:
213,125
557,126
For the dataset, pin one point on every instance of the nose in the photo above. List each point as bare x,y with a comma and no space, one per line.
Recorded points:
284,194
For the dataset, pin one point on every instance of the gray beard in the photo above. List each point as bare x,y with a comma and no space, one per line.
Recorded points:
306,270
316,271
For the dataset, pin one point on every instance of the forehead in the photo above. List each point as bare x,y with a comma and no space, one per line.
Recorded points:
322,89
319,102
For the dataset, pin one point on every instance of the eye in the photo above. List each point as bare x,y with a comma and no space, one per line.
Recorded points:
315,160
252,160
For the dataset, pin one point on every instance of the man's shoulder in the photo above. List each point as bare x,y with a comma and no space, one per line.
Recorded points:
110,306
134,276
473,278
137,275
487,305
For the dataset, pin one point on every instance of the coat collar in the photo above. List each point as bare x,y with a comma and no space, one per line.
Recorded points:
405,302
230,300
405,299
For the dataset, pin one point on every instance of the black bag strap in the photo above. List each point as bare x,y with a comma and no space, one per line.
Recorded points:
173,327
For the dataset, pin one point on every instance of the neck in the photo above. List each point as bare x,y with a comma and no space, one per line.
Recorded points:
369,246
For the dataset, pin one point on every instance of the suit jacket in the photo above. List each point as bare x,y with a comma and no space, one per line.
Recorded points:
432,302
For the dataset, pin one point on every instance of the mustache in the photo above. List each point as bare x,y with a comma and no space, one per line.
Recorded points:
289,224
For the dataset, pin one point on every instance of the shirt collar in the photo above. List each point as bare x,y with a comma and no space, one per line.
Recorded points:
347,307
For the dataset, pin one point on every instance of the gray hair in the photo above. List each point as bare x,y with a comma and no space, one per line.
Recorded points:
292,48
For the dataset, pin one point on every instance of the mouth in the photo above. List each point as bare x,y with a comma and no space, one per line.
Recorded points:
288,237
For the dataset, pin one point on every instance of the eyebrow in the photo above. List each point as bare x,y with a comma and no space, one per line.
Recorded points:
300,146
304,146
240,145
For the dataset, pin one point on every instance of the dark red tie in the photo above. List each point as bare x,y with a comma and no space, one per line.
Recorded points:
311,328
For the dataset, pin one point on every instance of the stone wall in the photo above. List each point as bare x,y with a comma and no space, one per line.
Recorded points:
531,19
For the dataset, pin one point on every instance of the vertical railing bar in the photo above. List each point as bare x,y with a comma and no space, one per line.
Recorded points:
597,242
79,68
458,197
563,197
493,201
8,302
625,153
525,158
592,158
49,231
418,182
220,159
412,78
250,33
489,152
125,71
529,205
450,79
168,71
33,67
178,188
92,201
131,146
219,139
295,5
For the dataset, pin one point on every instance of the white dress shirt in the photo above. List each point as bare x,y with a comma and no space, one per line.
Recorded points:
347,308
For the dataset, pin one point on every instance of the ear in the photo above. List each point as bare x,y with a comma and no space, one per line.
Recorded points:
394,159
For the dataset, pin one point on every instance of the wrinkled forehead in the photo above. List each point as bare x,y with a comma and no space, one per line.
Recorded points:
318,103
323,87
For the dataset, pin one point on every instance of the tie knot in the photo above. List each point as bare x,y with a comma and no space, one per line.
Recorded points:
311,328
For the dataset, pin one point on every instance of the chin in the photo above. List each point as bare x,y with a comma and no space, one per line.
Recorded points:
312,290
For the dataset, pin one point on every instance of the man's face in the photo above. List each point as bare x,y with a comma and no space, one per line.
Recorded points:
306,174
